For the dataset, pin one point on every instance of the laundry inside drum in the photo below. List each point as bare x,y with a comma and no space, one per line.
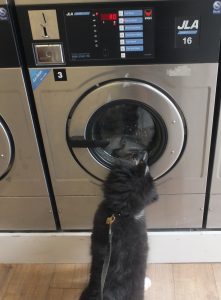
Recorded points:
129,127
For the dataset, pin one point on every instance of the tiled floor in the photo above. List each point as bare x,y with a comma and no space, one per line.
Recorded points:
65,282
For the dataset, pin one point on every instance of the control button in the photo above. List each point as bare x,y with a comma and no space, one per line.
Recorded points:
121,21
134,42
49,54
122,42
138,34
134,48
123,55
121,34
133,20
133,13
122,49
121,13
148,13
133,27
121,28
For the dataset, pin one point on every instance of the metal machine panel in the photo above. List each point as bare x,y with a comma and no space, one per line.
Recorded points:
216,181
26,213
171,211
24,197
55,105
24,200
25,177
191,86
214,213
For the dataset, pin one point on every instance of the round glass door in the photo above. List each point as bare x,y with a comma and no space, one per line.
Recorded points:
118,118
6,149
128,127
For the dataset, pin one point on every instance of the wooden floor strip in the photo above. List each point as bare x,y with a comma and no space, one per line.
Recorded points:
55,294
6,272
66,281
184,283
71,294
63,276
29,282
162,286
205,283
217,276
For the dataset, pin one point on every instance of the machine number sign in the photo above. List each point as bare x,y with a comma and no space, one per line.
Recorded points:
60,75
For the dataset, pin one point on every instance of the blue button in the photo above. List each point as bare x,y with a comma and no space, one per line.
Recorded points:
133,13
133,21
134,48
134,42
133,27
134,34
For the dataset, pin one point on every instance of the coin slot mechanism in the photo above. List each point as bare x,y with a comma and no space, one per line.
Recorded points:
44,24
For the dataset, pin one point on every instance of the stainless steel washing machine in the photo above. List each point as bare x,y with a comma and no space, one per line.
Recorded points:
24,198
106,75
214,213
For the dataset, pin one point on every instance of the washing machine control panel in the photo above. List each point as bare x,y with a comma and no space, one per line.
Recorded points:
128,32
110,33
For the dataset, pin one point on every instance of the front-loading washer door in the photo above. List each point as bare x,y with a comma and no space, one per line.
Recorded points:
118,118
6,149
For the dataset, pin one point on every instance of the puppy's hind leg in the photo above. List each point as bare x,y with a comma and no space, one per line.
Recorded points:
92,291
90,294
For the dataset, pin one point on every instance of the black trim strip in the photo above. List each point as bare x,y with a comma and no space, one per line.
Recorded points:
213,143
33,110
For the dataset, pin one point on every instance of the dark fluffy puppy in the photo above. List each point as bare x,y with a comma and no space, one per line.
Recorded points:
127,191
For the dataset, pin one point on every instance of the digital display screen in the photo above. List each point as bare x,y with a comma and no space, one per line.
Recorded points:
108,17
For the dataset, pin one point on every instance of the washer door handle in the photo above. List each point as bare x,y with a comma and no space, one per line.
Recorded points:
81,142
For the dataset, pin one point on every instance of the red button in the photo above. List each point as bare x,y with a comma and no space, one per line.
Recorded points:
148,13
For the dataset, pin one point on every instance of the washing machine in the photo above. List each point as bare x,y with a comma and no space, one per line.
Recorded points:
24,198
109,76
214,213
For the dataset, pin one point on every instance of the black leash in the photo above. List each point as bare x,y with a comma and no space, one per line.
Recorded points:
107,258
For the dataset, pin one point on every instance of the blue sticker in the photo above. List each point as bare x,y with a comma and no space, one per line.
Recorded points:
37,76
217,8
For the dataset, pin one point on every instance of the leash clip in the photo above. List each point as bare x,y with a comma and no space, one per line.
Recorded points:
110,220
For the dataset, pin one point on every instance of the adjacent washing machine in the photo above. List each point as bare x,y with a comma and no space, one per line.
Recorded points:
24,198
214,214
110,76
